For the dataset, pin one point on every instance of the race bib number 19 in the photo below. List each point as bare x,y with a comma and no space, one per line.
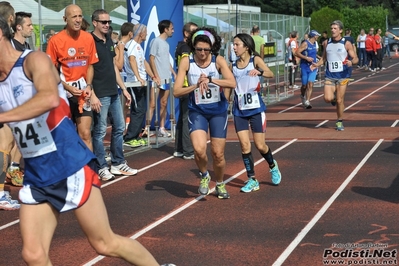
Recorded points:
33,137
335,66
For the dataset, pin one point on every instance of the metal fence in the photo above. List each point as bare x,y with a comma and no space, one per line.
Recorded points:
274,27
47,15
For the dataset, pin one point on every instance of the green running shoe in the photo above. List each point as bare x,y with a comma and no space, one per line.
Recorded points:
221,191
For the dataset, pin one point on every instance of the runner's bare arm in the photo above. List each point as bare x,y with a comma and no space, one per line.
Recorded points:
38,68
179,89
391,35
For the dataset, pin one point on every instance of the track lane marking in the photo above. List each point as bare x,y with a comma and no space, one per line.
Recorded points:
287,252
185,206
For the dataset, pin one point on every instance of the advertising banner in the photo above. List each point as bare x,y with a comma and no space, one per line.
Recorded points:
150,13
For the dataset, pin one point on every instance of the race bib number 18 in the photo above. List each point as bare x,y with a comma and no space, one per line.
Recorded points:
212,95
249,100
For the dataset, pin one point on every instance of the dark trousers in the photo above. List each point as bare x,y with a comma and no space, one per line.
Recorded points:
137,113
379,58
371,58
183,142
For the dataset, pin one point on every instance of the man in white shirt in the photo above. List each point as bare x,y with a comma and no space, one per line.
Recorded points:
136,68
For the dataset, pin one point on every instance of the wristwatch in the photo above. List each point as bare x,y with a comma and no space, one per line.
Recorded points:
210,79
261,72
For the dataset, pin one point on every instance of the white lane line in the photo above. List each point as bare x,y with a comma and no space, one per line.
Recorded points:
371,93
103,185
9,224
321,95
322,123
182,208
286,253
140,170
368,95
395,123
108,183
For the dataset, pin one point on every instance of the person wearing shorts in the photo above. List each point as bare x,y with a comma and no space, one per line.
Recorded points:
207,106
307,52
337,50
162,69
73,52
60,172
249,108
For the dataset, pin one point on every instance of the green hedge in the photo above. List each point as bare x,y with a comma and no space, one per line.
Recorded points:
353,18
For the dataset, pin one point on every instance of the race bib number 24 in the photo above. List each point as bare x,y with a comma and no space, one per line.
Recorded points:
33,137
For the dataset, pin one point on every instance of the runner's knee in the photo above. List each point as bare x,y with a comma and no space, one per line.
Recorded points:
35,256
105,248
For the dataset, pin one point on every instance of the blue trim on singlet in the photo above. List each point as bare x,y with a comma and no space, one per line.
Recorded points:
346,73
310,51
250,112
211,108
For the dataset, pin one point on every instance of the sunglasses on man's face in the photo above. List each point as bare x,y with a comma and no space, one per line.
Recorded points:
203,49
104,22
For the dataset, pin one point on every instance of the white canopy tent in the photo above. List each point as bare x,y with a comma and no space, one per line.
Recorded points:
48,16
212,21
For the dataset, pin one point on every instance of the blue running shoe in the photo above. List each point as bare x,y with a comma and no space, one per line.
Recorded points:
276,175
251,185
339,126
204,185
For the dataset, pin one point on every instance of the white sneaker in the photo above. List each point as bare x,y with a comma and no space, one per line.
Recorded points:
191,157
308,105
105,175
303,99
123,169
295,87
383,68
163,133
178,154
7,204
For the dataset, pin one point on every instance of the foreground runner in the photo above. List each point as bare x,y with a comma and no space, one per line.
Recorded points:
249,108
336,53
60,172
207,106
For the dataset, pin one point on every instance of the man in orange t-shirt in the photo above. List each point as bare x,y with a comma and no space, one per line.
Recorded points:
73,52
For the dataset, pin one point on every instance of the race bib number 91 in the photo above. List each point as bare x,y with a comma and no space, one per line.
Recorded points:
33,137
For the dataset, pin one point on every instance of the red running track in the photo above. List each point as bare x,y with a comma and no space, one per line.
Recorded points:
337,188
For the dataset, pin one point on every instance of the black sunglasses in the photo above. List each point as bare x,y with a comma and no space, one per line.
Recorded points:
104,22
203,49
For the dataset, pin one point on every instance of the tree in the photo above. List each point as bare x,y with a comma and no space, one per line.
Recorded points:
320,20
